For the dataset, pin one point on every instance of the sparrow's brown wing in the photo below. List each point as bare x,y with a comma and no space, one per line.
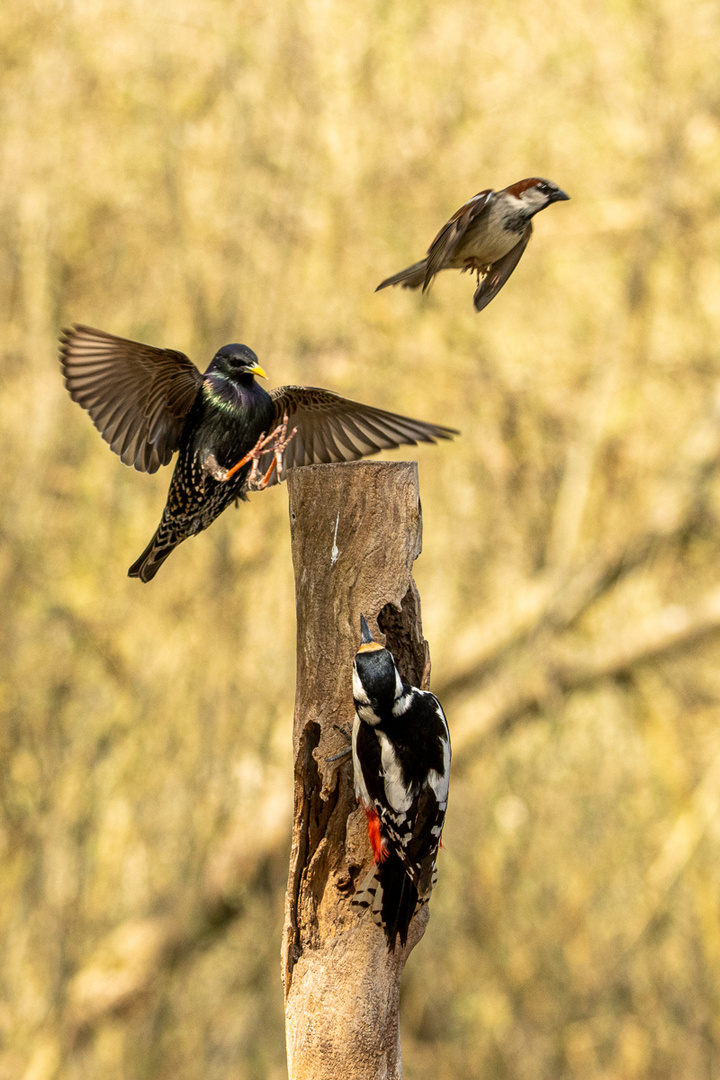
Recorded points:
332,428
500,271
444,245
138,396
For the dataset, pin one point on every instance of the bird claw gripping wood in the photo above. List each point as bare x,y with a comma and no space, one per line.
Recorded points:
277,441
346,731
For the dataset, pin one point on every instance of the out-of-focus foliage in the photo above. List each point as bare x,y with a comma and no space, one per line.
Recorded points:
195,173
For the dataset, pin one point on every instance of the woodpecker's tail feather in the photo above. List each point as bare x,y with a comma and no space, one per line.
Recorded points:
392,898
412,277
155,554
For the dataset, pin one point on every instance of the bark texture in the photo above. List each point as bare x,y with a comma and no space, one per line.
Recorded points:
356,531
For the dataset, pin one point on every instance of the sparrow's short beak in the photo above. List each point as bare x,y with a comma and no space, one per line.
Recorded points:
559,196
257,370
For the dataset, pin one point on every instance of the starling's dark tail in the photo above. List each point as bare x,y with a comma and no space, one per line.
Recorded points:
393,898
412,277
154,555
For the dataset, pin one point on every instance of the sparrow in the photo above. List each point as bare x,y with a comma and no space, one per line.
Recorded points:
401,761
487,235
149,403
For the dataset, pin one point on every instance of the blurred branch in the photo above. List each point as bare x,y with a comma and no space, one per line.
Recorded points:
516,694
91,638
671,862
575,487
129,962
682,843
552,606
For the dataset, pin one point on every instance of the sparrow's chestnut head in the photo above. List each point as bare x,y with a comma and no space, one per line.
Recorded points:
535,193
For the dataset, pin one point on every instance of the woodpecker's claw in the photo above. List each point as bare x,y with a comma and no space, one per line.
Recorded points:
345,731
278,441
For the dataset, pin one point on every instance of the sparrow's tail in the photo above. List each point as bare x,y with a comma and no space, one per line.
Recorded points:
163,542
410,278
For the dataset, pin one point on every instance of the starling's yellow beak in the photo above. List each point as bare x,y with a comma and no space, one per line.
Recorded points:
257,370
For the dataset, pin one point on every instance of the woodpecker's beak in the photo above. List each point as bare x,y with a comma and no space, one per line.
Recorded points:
257,370
559,196
366,637
367,641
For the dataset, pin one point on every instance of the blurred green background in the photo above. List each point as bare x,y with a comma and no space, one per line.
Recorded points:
197,172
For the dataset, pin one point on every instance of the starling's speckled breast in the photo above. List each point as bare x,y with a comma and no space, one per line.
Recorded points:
226,421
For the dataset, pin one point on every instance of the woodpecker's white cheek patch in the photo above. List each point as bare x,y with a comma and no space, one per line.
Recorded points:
402,704
398,795
368,715
359,692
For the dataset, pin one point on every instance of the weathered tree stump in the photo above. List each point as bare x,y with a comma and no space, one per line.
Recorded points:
356,531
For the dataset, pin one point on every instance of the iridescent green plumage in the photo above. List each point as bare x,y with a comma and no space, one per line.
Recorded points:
228,416
148,403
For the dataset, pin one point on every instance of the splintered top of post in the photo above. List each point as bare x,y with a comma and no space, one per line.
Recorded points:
388,486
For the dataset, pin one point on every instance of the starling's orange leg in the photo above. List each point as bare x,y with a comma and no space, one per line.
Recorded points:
251,455
280,439
213,468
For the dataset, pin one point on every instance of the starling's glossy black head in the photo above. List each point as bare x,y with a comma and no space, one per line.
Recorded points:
236,360
376,681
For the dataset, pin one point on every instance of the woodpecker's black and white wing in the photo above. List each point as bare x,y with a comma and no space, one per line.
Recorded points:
415,835
414,793
401,756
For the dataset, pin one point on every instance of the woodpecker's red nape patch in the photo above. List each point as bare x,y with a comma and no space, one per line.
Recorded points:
380,852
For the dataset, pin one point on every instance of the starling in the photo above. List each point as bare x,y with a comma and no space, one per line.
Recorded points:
401,759
487,235
148,403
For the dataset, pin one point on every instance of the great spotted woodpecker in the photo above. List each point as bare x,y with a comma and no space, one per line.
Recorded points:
487,235
401,757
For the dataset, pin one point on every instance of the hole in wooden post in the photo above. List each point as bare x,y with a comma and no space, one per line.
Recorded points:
402,638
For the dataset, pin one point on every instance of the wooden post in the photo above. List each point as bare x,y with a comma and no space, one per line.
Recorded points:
356,531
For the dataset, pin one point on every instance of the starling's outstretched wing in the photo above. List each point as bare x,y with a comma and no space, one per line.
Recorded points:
500,271
138,397
444,245
331,428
